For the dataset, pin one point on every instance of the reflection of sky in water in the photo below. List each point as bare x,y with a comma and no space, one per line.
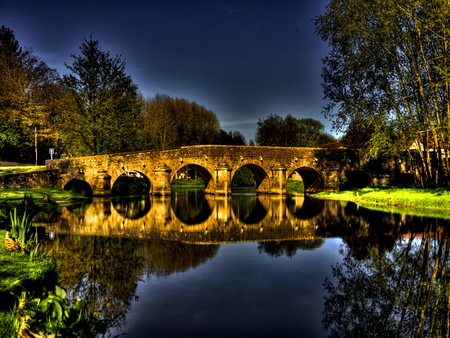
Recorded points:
240,292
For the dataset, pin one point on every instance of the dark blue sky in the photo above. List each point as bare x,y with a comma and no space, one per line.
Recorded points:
242,59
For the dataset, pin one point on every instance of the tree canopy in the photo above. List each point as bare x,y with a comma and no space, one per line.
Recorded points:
387,76
28,92
291,132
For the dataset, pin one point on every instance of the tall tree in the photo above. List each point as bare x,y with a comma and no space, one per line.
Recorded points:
102,104
388,69
28,92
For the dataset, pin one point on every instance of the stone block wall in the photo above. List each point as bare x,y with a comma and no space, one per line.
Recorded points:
34,179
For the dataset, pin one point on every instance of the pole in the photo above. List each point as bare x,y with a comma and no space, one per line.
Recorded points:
35,145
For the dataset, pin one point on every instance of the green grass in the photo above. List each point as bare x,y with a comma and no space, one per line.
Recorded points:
20,272
295,187
417,201
39,195
188,183
16,170
35,201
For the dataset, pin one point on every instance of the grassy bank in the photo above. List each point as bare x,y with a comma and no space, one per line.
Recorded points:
40,196
188,183
430,202
295,187
16,170
20,272
35,201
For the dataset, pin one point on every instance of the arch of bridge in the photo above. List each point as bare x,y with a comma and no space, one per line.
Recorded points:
219,163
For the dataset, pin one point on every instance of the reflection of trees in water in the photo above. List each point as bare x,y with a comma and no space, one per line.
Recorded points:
401,293
164,257
106,270
248,208
190,206
288,248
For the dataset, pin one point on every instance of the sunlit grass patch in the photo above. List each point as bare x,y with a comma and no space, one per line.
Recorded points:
188,183
38,194
16,170
18,269
393,197
20,272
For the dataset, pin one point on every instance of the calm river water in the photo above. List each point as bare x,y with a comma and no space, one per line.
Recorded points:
191,265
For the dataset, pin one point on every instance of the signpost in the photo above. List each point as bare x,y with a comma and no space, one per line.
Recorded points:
51,151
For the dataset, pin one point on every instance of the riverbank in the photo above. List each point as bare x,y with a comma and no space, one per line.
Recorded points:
41,196
417,201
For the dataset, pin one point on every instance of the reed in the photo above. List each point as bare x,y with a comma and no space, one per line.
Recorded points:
21,227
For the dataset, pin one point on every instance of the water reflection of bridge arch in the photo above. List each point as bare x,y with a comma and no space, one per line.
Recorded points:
307,209
194,209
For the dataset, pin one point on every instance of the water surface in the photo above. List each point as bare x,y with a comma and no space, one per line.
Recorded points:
192,265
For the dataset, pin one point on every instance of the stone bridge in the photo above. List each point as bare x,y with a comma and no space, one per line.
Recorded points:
321,169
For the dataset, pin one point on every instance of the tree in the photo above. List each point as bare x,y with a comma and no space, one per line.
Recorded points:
28,95
101,104
388,69
269,131
291,132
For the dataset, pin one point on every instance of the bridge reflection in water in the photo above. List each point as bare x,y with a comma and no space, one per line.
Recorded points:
105,250
193,217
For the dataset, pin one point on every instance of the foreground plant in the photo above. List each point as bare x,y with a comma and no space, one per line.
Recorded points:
21,234
57,316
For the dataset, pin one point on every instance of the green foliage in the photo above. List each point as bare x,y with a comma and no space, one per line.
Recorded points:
406,200
8,324
295,187
386,78
291,132
21,228
27,96
243,178
19,272
188,183
130,185
56,314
